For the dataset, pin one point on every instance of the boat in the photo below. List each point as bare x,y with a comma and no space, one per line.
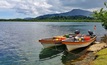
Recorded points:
71,45
50,42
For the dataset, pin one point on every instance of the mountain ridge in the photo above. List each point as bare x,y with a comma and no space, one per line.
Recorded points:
74,12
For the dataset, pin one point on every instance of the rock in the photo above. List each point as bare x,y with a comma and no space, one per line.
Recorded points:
97,42
97,47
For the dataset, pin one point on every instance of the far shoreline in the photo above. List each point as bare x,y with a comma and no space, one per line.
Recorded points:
84,20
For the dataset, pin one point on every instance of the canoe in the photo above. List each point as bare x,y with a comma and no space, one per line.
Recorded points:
71,45
50,42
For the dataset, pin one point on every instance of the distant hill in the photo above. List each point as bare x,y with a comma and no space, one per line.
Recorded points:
28,18
74,12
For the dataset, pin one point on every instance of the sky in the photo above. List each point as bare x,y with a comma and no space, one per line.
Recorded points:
33,8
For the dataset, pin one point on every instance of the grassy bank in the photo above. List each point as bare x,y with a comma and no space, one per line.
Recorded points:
101,58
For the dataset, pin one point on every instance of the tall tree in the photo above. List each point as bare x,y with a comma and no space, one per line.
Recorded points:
102,15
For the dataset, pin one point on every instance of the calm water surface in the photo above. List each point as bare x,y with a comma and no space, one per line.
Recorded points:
19,40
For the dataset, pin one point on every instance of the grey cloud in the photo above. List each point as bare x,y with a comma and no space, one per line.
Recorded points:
40,7
86,4
57,6
29,7
67,5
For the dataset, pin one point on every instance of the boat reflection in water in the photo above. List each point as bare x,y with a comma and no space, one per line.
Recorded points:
73,55
51,52
67,57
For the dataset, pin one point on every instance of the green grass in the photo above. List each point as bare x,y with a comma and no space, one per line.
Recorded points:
102,52
102,57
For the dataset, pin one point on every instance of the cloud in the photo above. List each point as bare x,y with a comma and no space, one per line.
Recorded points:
32,7
4,4
28,7
40,7
67,5
85,4
56,6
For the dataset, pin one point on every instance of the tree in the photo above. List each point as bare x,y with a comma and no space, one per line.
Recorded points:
102,15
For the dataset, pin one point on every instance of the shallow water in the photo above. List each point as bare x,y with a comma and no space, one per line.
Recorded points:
19,40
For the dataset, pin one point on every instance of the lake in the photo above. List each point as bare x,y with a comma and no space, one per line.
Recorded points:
19,40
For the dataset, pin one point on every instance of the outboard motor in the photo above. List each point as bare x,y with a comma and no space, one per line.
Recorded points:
77,32
90,32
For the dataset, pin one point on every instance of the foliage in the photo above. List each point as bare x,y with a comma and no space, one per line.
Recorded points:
78,18
102,15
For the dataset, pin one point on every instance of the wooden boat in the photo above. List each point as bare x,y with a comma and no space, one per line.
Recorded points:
71,45
50,42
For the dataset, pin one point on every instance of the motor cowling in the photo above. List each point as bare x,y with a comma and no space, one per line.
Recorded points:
77,32
90,33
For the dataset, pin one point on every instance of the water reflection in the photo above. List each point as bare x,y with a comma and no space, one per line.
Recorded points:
67,25
67,57
51,52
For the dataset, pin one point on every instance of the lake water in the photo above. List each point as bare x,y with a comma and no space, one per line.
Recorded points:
19,40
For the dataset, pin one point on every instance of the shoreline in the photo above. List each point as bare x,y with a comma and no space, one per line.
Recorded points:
95,55
81,20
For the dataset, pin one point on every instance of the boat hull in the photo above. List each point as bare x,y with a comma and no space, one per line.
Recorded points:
50,45
74,45
50,42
